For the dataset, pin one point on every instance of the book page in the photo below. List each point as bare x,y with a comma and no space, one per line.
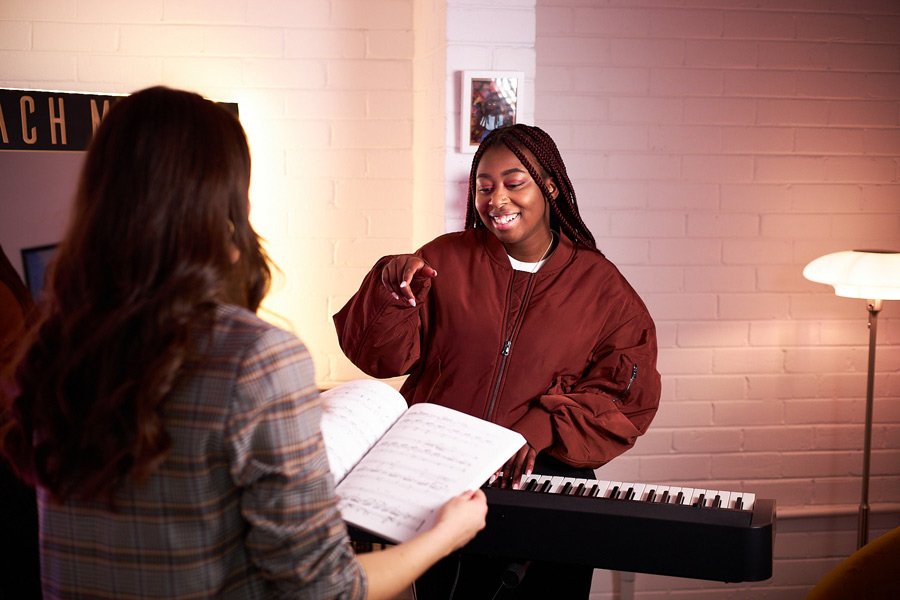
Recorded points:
431,454
354,416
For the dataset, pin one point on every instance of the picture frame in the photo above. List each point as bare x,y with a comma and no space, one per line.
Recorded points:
488,99
35,261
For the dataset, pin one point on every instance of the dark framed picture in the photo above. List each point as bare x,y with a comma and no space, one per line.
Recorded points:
488,100
34,263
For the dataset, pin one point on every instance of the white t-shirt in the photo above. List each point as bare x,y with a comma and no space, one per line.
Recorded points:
528,267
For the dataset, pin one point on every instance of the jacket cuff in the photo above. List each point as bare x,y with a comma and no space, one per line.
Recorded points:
535,426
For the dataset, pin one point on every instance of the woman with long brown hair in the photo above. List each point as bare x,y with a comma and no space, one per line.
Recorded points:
172,434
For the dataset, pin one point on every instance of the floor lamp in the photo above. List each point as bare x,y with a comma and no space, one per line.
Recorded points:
874,276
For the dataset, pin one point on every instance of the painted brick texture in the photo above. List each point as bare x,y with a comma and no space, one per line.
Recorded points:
760,128
325,90
716,146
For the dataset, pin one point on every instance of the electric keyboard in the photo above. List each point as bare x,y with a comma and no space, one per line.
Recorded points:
641,528
661,529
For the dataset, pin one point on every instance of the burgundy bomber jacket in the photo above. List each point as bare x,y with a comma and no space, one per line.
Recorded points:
565,356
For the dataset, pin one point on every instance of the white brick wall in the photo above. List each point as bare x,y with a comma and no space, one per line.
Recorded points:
475,42
325,90
716,149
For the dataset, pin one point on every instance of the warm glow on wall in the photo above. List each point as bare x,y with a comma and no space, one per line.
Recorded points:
326,214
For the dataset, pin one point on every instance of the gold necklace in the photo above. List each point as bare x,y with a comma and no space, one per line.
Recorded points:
545,254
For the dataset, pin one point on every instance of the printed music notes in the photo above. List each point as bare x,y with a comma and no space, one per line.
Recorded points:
354,416
429,454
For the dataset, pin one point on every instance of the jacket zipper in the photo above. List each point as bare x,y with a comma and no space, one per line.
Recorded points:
624,394
507,344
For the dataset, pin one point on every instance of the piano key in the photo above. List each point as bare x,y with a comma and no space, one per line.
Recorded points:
661,490
578,486
627,485
726,498
694,497
598,489
710,497
603,487
592,488
638,491
545,483
556,484
739,500
624,487
714,498
531,483
673,493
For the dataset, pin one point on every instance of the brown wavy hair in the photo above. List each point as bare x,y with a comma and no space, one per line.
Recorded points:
159,236
564,213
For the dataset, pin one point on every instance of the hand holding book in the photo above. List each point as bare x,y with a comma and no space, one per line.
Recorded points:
427,455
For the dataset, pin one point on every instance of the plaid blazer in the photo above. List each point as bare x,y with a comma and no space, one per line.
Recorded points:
243,505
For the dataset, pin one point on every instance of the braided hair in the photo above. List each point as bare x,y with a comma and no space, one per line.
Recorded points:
517,137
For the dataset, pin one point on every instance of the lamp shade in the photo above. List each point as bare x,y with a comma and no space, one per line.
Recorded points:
867,274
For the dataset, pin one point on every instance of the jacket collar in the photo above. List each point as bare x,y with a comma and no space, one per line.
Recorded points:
564,252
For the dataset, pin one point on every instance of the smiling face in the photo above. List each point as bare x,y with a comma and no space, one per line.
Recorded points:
511,204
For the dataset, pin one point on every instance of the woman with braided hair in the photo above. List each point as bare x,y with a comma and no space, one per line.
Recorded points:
520,320
523,140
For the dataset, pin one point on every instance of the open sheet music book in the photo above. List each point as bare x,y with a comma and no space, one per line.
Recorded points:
395,467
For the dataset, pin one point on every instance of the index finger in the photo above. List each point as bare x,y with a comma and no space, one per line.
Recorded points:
414,268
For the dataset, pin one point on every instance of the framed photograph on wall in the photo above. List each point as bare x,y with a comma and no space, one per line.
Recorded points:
488,100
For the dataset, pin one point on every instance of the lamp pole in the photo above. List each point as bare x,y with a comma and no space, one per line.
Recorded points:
862,538
862,274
